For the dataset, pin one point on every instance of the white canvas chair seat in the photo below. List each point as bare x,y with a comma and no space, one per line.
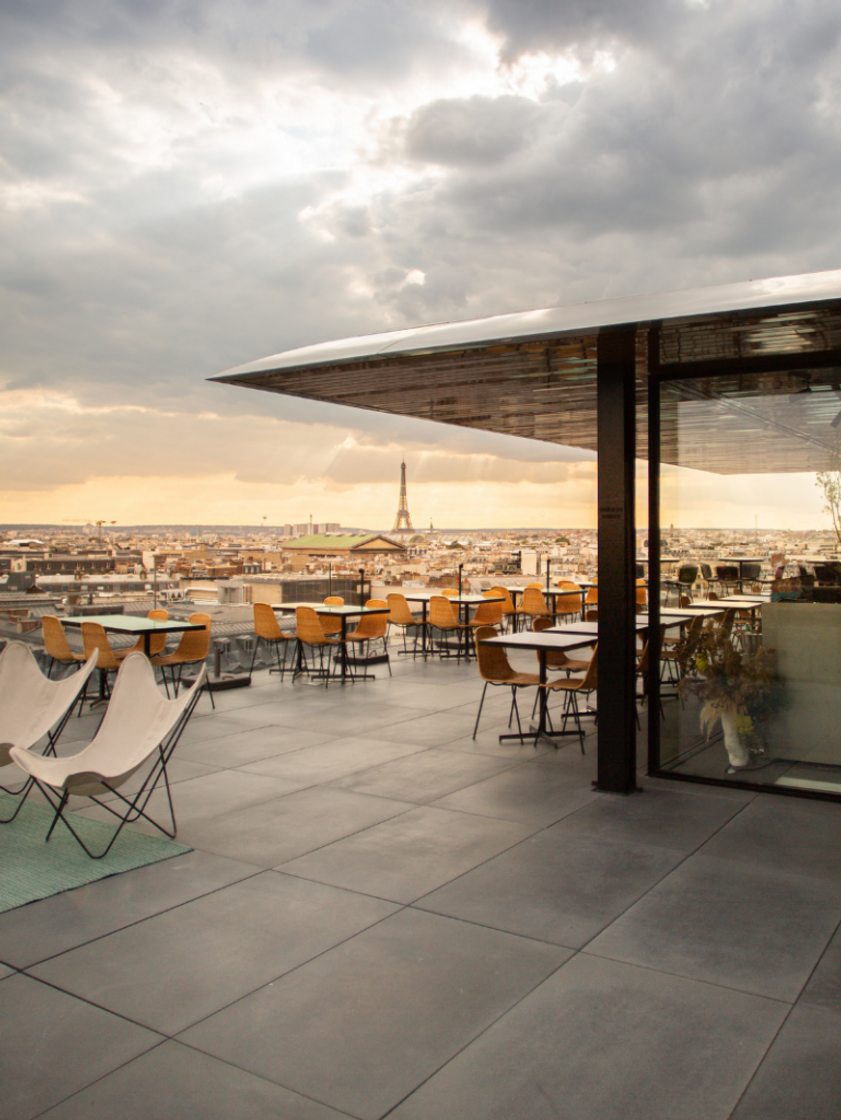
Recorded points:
33,706
139,725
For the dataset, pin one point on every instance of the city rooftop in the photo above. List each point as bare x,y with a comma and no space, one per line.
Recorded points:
384,917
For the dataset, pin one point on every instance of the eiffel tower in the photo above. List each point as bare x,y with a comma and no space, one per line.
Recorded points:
403,521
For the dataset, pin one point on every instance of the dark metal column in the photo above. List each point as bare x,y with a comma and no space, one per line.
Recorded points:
617,540
653,683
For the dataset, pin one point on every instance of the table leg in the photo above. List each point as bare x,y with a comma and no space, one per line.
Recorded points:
538,732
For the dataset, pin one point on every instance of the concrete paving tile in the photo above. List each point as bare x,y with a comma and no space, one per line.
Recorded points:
424,776
800,1078
248,746
824,987
54,925
440,697
214,725
724,922
608,1041
178,1083
487,742
379,1014
563,889
267,835
338,718
404,858
676,819
201,799
52,1045
804,836
529,793
192,960
336,759
431,730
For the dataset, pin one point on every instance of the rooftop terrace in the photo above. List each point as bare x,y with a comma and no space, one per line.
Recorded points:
383,917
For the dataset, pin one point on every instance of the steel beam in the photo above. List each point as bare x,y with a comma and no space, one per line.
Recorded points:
617,557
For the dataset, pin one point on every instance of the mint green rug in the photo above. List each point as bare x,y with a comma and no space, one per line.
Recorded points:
30,869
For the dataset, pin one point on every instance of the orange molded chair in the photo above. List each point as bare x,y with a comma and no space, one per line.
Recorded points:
56,644
534,605
568,604
108,659
572,686
488,614
509,611
267,629
400,615
309,633
495,669
332,626
157,642
444,618
371,628
193,649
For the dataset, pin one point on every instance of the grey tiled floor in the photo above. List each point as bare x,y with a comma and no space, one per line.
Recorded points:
382,916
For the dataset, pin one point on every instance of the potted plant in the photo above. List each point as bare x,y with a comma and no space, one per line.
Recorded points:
736,688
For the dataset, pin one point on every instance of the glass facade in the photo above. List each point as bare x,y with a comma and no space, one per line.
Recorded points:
750,685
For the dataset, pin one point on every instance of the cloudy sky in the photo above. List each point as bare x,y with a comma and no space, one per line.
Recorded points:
188,185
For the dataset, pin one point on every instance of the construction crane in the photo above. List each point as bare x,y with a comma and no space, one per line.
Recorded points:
89,521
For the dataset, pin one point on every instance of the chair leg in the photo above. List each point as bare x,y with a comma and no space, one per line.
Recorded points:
254,655
478,714
21,793
516,711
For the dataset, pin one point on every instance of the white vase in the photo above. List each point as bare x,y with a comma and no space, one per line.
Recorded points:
736,750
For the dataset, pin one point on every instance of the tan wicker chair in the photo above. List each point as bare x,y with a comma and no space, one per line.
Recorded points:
641,595
267,629
157,642
56,644
108,659
591,605
642,672
400,615
495,669
534,605
557,659
444,618
488,614
568,604
193,649
331,626
309,633
371,628
509,611
573,686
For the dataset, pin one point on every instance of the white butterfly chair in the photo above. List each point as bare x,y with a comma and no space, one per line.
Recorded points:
32,706
140,725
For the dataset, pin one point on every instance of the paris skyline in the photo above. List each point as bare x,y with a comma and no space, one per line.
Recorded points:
186,189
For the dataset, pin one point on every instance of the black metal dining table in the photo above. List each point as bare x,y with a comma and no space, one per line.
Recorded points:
343,613
133,625
542,642
463,602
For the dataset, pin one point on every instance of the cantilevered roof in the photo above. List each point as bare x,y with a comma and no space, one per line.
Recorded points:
533,373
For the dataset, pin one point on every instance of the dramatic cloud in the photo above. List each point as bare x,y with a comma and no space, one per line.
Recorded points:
187,186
